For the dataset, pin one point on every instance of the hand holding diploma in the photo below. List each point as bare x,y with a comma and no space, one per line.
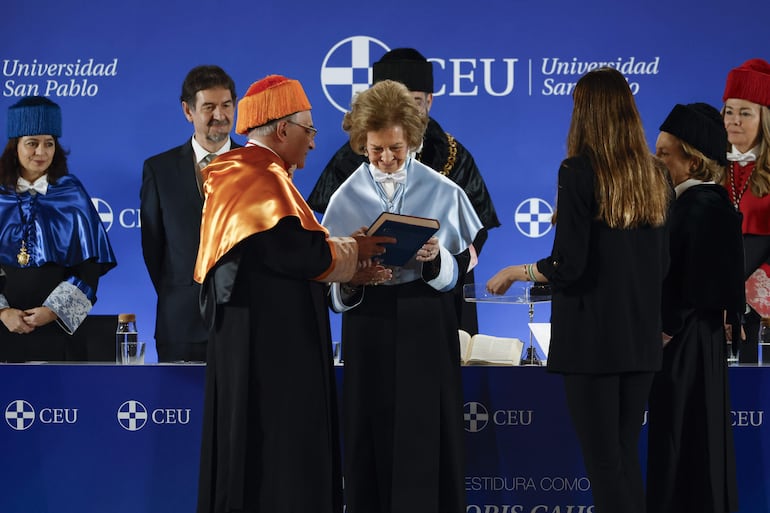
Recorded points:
370,272
370,246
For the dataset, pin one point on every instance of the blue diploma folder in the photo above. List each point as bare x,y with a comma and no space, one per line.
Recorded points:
410,232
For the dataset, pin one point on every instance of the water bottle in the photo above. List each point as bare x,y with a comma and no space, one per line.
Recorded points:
764,341
126,332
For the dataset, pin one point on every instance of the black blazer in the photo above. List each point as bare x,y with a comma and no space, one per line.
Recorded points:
607,283
171,207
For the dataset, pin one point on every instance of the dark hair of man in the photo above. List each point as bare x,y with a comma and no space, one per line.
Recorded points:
10,169
205,77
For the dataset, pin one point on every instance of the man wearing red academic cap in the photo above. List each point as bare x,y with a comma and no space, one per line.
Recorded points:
270,441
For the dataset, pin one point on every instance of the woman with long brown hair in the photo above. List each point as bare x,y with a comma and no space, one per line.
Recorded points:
609,258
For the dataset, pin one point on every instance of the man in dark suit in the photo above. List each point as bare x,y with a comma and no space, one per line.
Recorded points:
171,202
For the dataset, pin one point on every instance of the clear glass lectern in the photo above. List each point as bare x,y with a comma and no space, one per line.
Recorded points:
526,293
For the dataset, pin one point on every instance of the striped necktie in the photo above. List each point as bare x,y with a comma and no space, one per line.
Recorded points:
208,158
199,175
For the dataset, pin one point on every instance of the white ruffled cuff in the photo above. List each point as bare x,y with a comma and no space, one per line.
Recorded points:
70,304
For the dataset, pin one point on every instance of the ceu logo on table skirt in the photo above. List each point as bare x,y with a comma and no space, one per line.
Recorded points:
533,217
347,68
105,212
20,415
132,415
476,417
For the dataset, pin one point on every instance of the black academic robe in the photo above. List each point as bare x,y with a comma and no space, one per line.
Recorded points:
29,287
402,365
691,457
71,245
443,153
270,437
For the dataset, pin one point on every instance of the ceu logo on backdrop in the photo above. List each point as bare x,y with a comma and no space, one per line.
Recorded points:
476,417
533,217
105,212
347,68
19,415
132,415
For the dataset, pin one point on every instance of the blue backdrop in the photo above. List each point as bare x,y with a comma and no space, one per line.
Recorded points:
503,73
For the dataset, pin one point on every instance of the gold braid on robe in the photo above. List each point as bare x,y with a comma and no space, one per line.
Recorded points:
248,192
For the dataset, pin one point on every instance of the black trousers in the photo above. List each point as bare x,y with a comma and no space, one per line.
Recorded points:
607,411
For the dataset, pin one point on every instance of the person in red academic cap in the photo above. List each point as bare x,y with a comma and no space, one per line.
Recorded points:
746,116
270,440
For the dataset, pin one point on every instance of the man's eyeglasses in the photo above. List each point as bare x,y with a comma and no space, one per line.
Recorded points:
311,130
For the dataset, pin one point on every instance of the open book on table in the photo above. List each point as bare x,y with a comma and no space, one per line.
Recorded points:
488,350
410,232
